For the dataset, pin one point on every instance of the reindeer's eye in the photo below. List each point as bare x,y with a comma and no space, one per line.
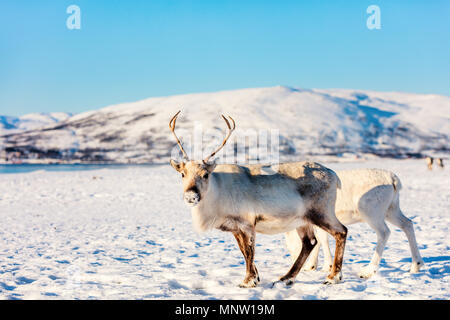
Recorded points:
182,175
205,176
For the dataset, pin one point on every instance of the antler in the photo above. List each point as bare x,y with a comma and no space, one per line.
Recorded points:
226,138
172,128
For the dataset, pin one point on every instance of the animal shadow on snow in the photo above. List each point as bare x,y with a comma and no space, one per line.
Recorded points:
437,267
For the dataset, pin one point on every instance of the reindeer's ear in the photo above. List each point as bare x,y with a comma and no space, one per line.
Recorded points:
176,165
210,166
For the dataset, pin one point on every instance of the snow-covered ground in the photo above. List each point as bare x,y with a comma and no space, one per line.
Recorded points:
126,234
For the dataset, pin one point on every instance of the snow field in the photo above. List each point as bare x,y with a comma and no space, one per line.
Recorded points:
126,234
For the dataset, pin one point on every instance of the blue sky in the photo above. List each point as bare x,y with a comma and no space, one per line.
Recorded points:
131,50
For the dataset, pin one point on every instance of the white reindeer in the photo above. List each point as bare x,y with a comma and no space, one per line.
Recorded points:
371,196
242,200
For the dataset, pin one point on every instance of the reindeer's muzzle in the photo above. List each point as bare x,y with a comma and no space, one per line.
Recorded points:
191,197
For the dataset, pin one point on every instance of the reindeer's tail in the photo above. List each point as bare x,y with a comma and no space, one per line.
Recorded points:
396,182
338,182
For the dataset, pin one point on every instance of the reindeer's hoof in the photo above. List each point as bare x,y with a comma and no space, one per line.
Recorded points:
333,280
415,267
250,283
367,272
285,282
311,267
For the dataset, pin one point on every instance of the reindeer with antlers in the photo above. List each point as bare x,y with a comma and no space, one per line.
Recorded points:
242,200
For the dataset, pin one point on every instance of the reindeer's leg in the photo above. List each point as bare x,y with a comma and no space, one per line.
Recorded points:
383,233
244,233
308,239
293,244
246,242
331,224
312,261
322,238
396,217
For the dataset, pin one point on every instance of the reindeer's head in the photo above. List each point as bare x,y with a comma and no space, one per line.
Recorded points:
196,174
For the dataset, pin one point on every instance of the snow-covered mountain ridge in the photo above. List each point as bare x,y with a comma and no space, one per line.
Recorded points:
311,123
9,124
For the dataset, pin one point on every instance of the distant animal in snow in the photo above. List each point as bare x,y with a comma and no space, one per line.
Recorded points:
430,162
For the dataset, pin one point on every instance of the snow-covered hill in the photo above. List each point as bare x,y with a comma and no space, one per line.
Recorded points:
311,123
32,121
